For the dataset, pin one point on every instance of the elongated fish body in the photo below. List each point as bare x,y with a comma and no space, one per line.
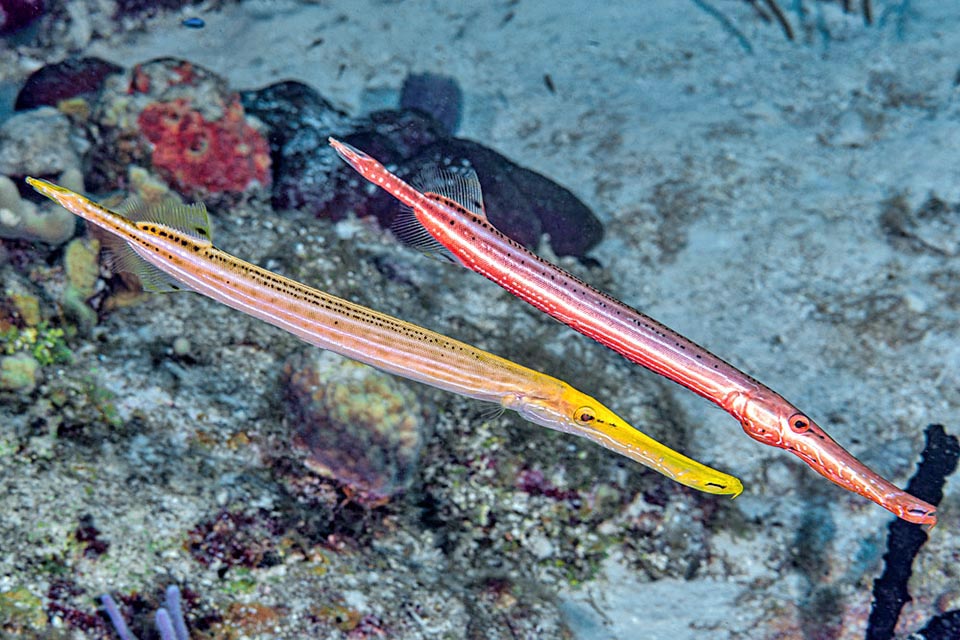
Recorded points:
456,221
172,249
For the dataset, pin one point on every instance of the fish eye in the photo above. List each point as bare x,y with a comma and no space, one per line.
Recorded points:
799,423
584,415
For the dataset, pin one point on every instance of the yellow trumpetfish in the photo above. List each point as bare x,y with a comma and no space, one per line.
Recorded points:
170,248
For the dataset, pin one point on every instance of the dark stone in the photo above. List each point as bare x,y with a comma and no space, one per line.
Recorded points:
17,14
299,120
435,95
408,131
392,137
63,80
521,203
309,176
945,626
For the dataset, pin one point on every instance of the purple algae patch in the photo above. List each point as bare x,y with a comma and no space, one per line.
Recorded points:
89,536
235,539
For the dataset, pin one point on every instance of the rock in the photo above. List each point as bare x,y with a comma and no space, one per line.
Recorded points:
17,14
182,122
520,202
438,96
307,175
19,372
300,120
37,143
53,83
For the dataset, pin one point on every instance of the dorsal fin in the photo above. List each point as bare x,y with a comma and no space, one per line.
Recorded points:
459,184
191,220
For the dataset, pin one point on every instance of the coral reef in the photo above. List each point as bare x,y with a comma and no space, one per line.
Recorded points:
181,121
28,339
361,427
199,157
82,267
18,372
39,142
21,612
27,343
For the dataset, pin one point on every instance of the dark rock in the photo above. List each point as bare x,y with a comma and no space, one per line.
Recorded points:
393,137
521,203
76,77
407,130
308,175
299,120
16,14
945,626
438,96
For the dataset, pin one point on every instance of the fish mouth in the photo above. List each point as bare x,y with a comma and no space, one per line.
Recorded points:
773,421
838,465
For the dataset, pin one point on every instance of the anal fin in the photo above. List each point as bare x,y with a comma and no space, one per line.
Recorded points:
121,257
410,232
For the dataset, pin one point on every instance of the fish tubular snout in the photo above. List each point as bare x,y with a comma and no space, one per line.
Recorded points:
774,421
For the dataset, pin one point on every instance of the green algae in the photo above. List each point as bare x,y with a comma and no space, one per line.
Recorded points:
26,307
242,583
80,261
46,344
18,372
21,611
